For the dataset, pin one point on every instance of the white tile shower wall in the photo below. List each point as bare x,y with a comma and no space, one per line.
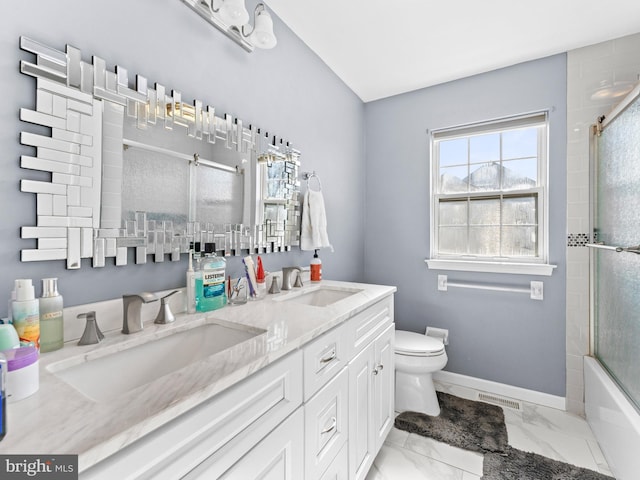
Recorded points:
607,63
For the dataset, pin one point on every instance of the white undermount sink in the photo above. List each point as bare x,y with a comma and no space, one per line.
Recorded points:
107,377
321,296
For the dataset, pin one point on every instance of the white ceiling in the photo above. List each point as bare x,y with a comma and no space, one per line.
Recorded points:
383,48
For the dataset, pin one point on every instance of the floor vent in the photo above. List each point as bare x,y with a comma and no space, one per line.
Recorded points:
500,401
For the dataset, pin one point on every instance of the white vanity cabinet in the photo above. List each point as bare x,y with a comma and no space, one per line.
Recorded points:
278,456
326,426
371,397
365,386
324,357
361,438
384,386
339,468
319,413
216,435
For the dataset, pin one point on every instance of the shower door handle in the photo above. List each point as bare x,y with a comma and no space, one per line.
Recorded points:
635,249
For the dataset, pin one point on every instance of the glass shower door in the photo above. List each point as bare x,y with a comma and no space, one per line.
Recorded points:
616,293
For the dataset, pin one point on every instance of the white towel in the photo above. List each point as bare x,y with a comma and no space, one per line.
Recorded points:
313,234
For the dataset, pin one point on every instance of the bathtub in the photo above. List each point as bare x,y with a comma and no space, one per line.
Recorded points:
613,419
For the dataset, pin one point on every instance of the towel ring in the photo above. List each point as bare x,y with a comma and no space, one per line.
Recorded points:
309,176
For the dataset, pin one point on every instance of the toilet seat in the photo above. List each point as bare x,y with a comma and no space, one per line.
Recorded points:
417,345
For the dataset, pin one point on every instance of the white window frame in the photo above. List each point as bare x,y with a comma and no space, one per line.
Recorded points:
513,265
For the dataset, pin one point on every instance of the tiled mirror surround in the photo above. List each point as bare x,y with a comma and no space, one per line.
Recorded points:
79,211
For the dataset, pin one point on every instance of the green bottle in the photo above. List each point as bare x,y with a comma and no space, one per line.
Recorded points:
51,316
210,283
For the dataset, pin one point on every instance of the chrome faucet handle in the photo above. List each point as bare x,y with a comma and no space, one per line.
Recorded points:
165,315
274,288
132,306
92,333
286,276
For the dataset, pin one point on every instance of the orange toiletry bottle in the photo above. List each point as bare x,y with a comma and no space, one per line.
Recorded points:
316,268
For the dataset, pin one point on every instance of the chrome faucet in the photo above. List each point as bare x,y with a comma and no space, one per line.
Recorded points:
286,276
165,315
132,306
92,333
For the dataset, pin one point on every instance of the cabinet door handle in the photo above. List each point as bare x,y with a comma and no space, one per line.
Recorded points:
332,356
375,371
380,367
331,427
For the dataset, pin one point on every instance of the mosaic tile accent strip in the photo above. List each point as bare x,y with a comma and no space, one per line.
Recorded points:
578,239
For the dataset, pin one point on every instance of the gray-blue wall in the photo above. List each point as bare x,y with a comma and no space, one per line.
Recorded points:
503,337
288,91
377,204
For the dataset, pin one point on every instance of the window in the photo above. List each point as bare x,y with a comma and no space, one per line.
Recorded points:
488,193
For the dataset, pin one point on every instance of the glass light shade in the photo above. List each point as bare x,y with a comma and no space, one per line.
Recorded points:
262,35
234,13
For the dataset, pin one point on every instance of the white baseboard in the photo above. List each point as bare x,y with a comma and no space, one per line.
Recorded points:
505,390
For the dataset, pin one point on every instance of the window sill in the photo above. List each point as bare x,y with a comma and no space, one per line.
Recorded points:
542,269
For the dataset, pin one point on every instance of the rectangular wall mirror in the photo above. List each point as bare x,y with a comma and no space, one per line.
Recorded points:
134,167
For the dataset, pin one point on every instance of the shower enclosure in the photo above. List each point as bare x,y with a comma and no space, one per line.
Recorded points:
616,266
615,286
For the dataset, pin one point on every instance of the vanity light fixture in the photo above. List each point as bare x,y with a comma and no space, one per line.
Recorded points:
232,18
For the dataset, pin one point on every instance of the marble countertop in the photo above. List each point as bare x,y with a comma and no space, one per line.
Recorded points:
58,419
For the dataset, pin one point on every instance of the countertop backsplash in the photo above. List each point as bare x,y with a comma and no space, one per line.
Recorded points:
109,312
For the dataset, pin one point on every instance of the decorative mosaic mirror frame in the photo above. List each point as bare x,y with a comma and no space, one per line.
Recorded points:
79,211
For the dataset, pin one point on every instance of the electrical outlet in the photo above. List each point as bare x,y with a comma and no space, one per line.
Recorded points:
442,283
537,290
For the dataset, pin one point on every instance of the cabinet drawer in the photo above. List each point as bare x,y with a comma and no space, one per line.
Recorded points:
326,425
323,358
368,324
227,425
278,456
339,468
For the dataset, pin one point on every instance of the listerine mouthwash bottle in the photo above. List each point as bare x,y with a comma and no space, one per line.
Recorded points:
210,283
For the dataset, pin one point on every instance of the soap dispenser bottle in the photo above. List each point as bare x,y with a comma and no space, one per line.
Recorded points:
51,316
316,268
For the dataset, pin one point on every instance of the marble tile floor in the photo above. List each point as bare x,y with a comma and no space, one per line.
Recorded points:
553,433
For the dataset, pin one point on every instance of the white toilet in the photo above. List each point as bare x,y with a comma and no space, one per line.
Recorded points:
417,357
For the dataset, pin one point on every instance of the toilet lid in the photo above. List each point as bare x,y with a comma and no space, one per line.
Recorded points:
410,343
